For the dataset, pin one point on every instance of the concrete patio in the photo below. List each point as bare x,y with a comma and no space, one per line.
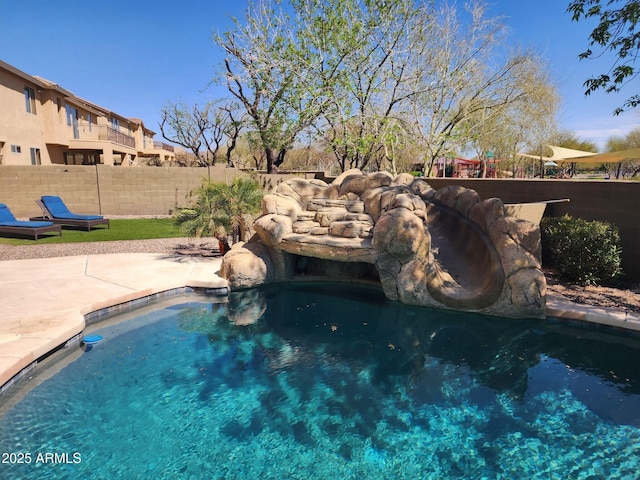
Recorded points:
44,301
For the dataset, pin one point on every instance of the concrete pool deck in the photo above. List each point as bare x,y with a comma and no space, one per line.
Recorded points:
44,301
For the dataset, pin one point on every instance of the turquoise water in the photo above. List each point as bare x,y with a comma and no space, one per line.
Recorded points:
326,382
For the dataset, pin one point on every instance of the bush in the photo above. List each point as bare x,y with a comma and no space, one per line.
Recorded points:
586,252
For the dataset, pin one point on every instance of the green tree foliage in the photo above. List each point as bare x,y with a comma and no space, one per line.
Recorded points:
587,252
616,32
631,166
375,79
629,141
219,208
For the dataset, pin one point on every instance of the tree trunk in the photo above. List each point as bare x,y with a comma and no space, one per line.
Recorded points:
271,161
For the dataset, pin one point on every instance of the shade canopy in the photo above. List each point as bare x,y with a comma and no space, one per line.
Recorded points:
560,154
611,157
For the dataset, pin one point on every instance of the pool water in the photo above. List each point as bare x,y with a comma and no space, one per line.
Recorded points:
331,382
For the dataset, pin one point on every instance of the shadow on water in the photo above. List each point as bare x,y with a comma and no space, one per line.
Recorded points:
343,351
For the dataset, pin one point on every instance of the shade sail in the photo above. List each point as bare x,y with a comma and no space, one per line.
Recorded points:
611,157
560,154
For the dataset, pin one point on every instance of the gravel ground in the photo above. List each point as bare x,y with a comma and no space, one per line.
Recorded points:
198,248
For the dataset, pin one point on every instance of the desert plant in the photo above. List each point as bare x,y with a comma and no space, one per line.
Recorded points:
586,252
219,208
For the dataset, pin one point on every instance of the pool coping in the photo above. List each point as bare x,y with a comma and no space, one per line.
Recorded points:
47,302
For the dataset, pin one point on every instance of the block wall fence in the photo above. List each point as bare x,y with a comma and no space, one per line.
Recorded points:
112,190
159,190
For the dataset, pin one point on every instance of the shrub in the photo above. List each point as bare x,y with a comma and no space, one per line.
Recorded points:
586,252
219,208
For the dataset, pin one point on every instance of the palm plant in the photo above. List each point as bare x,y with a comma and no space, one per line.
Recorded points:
238,203
220,207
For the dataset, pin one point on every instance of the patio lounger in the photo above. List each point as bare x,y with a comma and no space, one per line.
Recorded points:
9,225
54,210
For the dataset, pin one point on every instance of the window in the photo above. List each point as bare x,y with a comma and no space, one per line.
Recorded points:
72,120
16,149
89,120
30,99
72,115
35,156
115,124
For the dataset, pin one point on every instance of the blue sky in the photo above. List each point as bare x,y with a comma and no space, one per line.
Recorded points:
133,57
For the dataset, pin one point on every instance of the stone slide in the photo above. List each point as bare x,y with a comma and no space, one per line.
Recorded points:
443,248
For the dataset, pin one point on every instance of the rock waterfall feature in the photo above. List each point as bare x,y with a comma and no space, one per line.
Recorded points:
442,248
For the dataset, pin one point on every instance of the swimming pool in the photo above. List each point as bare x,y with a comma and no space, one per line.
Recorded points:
330,381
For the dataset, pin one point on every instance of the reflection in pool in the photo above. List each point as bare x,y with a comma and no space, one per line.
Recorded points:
324,381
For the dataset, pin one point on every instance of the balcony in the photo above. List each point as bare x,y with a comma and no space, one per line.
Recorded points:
162,146
84,131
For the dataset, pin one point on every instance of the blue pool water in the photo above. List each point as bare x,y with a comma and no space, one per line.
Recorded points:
331,382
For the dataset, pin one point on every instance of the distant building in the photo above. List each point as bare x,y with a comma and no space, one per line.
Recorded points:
41,123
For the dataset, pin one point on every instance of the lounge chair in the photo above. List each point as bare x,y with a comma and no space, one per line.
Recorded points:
54,210
9,225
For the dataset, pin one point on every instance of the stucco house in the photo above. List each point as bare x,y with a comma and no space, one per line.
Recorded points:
41,123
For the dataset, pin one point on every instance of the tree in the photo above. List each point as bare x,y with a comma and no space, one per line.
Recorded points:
616,32
196,128
265,70
203,218
629,168
234,125
468,82
237,203
373,78
220,207
372,74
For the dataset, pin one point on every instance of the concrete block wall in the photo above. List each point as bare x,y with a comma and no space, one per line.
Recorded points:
105,189
158,190
110,190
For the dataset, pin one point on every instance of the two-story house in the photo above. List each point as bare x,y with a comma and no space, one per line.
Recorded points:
42,123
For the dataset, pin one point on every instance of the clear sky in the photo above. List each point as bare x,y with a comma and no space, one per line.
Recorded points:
133,57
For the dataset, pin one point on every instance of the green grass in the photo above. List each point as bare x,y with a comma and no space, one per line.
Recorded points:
134,229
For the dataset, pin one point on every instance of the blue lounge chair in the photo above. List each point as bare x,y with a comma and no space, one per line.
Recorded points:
54,210
9,225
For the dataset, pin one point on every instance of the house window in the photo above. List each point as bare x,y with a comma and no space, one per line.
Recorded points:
89,120
30,99
35,156
115,124
72,115
16,149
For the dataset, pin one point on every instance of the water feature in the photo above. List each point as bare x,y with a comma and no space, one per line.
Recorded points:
328,381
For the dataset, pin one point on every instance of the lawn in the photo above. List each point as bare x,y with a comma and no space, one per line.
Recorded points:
130,229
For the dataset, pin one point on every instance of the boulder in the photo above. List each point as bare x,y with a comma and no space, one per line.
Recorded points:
247,265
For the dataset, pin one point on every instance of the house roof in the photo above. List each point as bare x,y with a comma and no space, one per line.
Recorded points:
69,96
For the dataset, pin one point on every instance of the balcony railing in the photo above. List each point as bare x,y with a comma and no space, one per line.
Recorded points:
163,146
83,131
112,135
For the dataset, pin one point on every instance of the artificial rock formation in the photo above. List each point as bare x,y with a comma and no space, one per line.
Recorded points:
443,248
